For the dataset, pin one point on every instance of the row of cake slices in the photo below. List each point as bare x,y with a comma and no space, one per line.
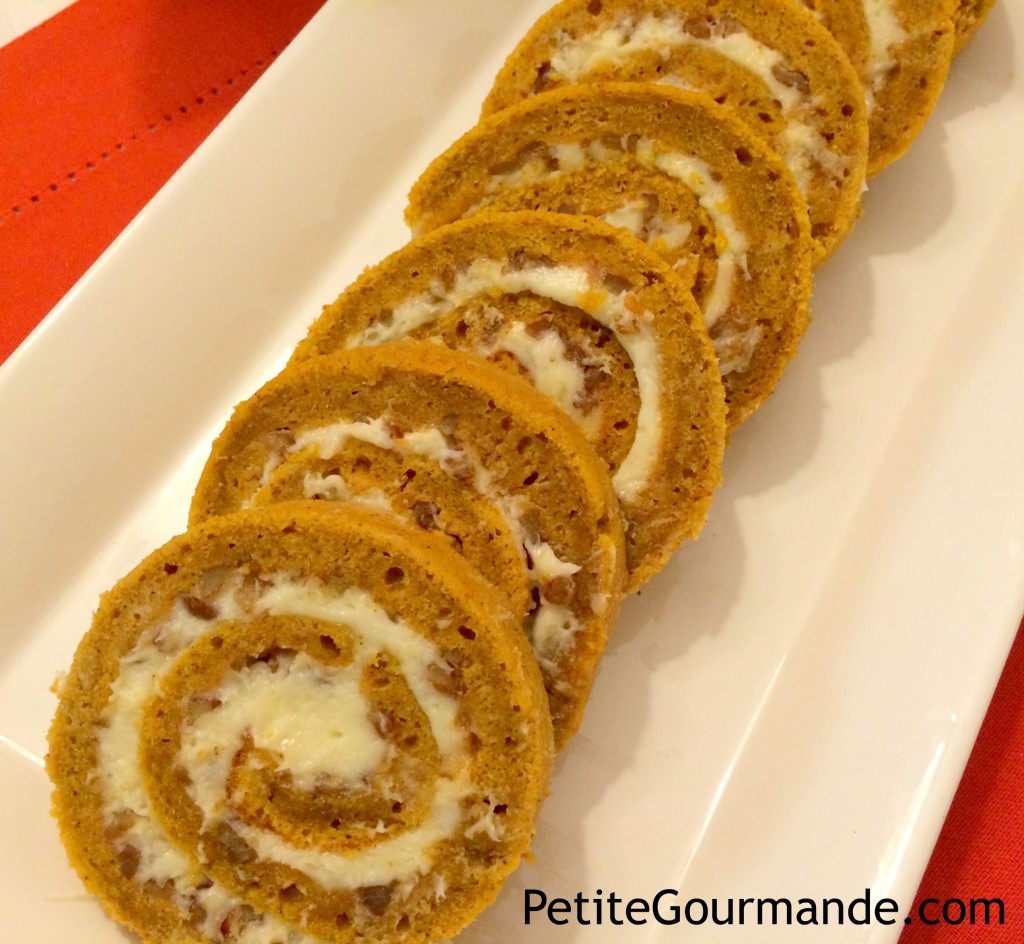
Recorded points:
538,394
402,565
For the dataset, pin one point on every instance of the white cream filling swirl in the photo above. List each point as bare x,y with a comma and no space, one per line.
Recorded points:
312,717
735,349
615,45
573,286
887,33
556,632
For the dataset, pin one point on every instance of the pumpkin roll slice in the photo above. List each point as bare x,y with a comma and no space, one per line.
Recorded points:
769,61
295,725
902,50
595,320
361,425
675,169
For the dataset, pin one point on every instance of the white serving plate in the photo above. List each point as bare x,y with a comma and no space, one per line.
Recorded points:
20,17
787,708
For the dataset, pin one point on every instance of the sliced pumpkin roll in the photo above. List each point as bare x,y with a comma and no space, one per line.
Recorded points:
675,169
769,61
416,428
902,50
298,725
593,319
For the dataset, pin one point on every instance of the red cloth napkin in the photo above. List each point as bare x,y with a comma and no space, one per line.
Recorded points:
101,104
980,852
98,107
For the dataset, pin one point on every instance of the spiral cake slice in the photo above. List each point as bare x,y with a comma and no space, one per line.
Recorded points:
296,726
902,50
677,170
359,419
593,319
768,61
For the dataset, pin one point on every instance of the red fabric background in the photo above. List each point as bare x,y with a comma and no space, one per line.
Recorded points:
101,104
980,852
98,107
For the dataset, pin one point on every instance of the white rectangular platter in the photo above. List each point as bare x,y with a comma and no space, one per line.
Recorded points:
786,709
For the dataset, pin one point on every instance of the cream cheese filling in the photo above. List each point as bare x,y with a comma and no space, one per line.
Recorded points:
731,242
663,234
886,33
311,716
334,488
572,286
340,743
576,57
552,371
735,349
551,628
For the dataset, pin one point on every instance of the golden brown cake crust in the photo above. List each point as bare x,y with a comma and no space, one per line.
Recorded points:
561,301
808,104
171,614
496,433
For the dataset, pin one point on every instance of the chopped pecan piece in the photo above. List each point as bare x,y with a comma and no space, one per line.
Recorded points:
128,859
237,920
651,207
595,379
726,25
200,609
200,703
120,823
445,679
542,81
425,514
279,440
529,521
517,260
375,898
616,284
237,848
535,150
699,27
791,78
383,722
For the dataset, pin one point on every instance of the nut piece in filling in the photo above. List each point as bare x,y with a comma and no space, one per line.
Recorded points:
902,50
356,424
678,171
592,318
777,68
295,726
